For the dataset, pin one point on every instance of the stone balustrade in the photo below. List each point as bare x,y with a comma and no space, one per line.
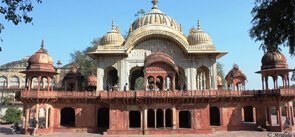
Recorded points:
154,94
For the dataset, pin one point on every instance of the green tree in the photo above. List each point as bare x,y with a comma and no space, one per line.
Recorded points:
8,100
139,83
86,65
12,115
220,72
16,11
273,24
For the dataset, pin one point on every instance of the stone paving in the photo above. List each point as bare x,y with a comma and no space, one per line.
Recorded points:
5,132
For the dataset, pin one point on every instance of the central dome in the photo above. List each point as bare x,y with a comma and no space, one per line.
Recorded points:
156,17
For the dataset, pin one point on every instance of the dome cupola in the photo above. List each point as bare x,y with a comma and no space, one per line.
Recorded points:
155,18
197,36
273,59
113,37
40,61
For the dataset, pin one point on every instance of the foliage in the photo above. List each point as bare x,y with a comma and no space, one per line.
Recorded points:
86,65
12,115
220,72
139,13
16,11
273,24
7,100
139,83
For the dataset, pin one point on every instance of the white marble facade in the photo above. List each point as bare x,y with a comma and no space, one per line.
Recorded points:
136,57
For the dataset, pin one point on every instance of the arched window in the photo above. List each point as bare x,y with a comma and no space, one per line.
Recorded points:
136,80
44,83
35,83
214,116
110,78
67,117
14,82
248,113
151,118
203,80
103,118
168,118
160,117
24,84
184,119
134,119
3,82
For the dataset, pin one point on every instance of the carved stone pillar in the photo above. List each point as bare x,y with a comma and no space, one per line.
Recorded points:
174,116
46,116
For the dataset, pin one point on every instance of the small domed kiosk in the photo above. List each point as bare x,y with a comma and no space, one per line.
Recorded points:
236,79
274,64
40,70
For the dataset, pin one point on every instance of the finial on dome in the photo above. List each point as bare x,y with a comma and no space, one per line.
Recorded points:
117,28
199,26
113,24
42,43
235,66
155,2
59,63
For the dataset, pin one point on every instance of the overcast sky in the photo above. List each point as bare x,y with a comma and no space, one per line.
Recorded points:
69,25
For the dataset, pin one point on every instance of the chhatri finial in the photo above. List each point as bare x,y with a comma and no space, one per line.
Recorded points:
199,26
155,2
42,43
113,24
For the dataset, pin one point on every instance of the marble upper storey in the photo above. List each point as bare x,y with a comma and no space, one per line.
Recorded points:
162,30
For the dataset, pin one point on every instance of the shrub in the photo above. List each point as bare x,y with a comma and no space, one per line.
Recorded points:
12,115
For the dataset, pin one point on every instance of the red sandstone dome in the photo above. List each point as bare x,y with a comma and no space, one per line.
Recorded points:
40,61
91,80
273,59
235,73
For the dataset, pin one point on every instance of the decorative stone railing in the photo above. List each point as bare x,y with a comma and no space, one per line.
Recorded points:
155,94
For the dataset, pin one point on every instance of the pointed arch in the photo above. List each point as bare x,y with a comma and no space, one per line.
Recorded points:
203,78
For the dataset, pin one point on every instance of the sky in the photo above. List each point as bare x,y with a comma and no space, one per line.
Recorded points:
70,25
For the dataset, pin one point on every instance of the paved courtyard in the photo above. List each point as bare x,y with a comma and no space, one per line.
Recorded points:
5,132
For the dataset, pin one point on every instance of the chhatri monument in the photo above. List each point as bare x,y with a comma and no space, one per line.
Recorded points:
156,80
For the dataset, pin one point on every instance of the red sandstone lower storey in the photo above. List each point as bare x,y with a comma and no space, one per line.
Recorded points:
160,118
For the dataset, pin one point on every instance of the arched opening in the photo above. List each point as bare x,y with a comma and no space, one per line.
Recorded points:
67,117
151,83
24,82
111,78
168,118
159,83
134,119
160,118
14,82
151,118
3,82
184,119
181,80
42,118
248,114
44,83
34,83
214,116
168,84
103,118
136,79
48,119
203,81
